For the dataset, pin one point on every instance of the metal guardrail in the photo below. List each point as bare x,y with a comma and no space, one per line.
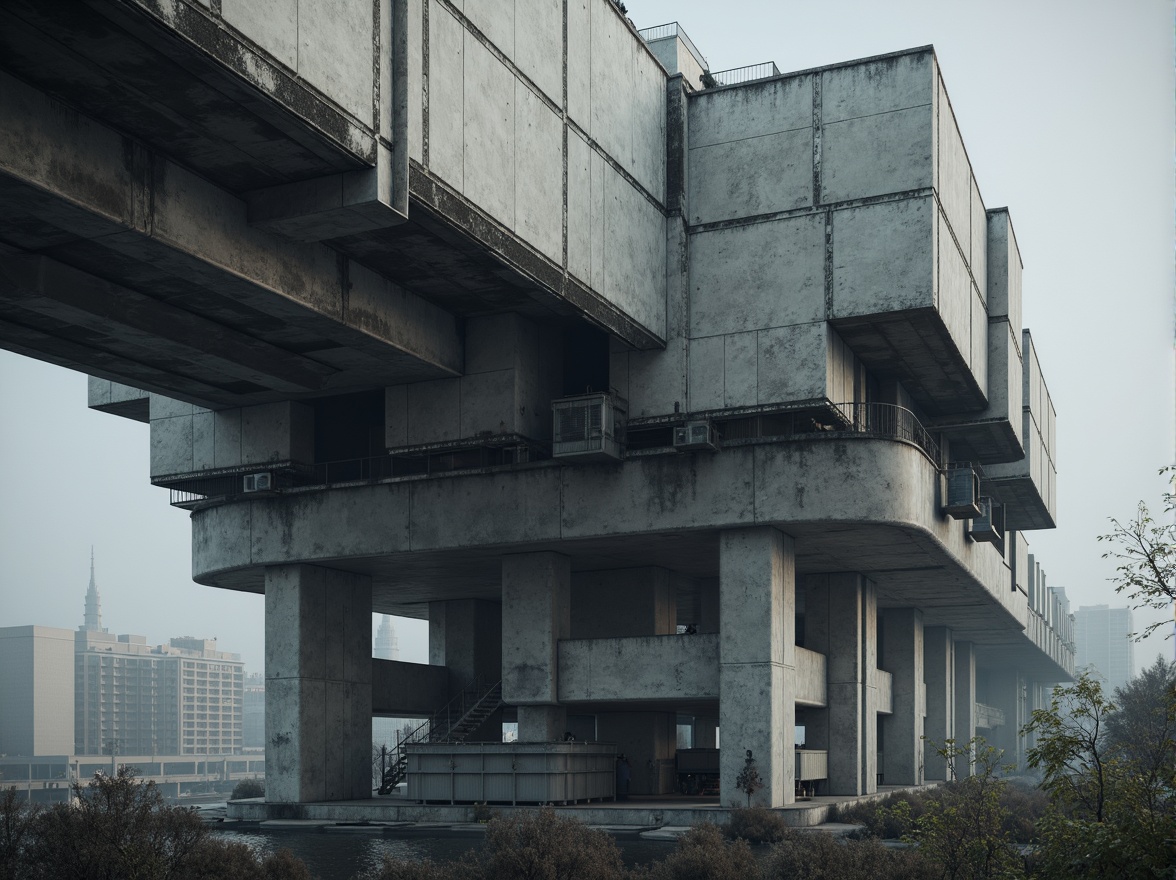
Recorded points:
886,420
671,29
737,75
989,717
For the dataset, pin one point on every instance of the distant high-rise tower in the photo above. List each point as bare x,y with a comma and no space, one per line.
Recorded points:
93,610
387,642
1103,641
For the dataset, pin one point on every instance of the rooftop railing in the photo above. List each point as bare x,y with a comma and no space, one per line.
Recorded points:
672,29
737,75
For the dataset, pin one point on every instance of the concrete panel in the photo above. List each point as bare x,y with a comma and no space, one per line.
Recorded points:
165,407
600,173
447,97
978,345
538,40
758,276
496,21
875,155
226,438
579,43
978,259
613,73
222,541
538,173
203,446
336,54
741,357
415,63
326,525
488,404
706,359
277,432
810,678
647,121
489,132
793,363
751,111
271,24
641,668
953,175
580,229
118,399
434,411
883,257
877,86
635,253
657,380
752,176
653,494
171,446
503,508
395,416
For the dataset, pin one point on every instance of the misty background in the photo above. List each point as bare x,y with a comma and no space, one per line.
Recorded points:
1066,109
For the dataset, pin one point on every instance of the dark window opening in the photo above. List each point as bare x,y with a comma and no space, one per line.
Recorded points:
585,360
349,426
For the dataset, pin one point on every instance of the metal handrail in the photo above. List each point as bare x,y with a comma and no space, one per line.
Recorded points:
737,75
887,420
671,29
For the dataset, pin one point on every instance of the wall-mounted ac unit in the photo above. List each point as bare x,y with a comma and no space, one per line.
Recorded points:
696,435
961,492
989,525
259,482
589,427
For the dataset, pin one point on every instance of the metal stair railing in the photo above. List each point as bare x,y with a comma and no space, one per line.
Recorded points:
460,717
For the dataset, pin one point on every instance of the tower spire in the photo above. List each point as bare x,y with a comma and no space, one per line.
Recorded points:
93,603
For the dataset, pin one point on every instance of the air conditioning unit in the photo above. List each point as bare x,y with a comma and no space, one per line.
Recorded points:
961,492
589,427
696,435
989,525
259,482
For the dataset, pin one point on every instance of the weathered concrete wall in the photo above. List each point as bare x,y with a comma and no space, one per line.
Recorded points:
576,174
667,668
118,399
512,372
187,438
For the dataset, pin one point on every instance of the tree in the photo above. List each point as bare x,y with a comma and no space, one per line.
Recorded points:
1146,550
748,781
1110,816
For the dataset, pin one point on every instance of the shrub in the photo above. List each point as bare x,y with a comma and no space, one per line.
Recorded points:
542,846
814,855
755,825
248,788
703,854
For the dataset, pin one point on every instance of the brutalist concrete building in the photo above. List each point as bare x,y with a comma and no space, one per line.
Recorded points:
657,401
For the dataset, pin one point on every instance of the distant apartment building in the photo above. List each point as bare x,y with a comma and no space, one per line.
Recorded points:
1103,637
36,690
253,728
92,692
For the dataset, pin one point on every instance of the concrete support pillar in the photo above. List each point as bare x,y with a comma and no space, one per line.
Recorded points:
757,662
465,636
1006,691
841,622
965,700
708,594
902,657
318,689
536,614
939,675
648,740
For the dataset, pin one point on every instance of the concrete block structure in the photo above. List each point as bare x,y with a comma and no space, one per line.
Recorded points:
656,400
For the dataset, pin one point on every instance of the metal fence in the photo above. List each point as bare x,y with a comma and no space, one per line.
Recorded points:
672,29
737,75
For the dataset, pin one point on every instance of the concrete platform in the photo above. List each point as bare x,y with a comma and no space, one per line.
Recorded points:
671,814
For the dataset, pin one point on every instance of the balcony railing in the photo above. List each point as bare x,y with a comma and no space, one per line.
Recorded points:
989,717
737,75
671,29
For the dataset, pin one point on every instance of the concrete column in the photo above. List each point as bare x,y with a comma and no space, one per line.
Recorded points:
648,740
902,657
965,700
1006,691
939,675
757,661
841,622
465,636
318,689
708,594
536,614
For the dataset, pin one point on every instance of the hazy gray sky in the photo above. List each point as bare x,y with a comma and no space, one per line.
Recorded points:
1066,109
